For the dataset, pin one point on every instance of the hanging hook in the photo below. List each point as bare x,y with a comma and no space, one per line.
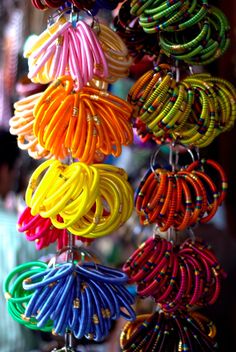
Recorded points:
177,71
190,67
171,235
73,16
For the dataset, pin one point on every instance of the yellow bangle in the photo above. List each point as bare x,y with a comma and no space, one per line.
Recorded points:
89,201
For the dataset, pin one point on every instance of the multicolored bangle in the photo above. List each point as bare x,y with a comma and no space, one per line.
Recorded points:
175,276
159,331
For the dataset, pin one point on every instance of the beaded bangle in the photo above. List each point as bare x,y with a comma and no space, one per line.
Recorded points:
210,41
158,331
175,276
182,198
174,16
194,110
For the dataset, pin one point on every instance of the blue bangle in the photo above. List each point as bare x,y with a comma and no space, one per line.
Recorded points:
62,271
111,275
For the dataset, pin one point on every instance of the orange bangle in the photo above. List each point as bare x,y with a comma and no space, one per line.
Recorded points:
88,124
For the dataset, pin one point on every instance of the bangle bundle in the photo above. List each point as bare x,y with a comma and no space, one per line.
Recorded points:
136,40
116,53
97,123
194,110
92,201
182,198
41,231
161,332
175,276
86,124
83,298
65,49
205,42
191,31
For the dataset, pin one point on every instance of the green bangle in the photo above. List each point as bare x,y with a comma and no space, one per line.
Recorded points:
138,6
174,48
171,20
17,297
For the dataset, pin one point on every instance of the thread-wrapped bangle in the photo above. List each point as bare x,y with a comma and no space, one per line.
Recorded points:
158,331
175,276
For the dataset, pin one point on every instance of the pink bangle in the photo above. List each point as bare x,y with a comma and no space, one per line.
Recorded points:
41,230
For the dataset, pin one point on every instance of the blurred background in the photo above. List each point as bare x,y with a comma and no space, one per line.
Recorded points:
19,20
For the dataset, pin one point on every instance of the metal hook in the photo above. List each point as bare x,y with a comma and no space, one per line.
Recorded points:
57,16
190,67
73,16
171,235
174,154
177,71
71,250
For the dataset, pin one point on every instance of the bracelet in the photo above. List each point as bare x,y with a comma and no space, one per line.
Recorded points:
17,298
96,123
21,124
137,41
64,50
159,331
93,5
180,199
41,231
178,15
210,42
67,194
175,276
193,111
116,53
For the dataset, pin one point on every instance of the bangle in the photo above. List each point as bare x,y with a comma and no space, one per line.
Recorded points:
211,42
177,17
194,111
53,4
17,298
97,122
67,194
175,276
159,331
21,124
116,53
181,198
64,49
41,231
